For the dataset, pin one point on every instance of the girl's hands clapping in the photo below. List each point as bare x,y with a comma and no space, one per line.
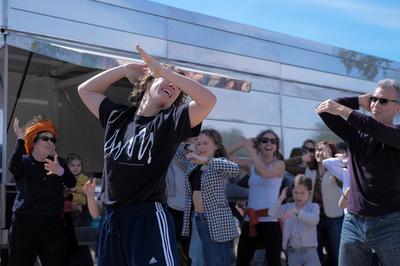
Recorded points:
290,213
197,159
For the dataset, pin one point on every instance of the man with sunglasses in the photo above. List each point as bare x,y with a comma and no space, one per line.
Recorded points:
373,218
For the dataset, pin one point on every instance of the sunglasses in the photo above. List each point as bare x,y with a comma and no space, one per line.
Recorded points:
312,150
268,140
382,101
45,138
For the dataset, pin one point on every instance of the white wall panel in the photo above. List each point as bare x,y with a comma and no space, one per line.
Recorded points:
302,90
84,33
326,79
300,113
216,39
213,58
95,14
245,130
254,107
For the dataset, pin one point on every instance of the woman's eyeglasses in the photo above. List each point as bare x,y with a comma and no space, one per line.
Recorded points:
45,138
382,101
268,140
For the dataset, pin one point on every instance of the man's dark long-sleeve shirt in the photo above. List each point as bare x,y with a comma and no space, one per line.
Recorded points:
374,160
39,194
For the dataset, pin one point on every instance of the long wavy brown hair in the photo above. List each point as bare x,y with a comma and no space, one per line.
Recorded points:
146,80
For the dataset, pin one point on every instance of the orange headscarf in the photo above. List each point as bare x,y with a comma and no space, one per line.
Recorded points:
32,132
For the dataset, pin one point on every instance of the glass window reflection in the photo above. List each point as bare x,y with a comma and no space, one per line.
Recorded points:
294,138
254,107
219,81
299,113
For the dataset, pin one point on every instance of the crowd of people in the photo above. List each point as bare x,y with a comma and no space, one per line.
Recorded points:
163,191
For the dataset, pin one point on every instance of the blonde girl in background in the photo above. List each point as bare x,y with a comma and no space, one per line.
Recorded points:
300,219
75,165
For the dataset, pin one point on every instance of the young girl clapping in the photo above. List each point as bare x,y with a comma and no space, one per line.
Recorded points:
300,219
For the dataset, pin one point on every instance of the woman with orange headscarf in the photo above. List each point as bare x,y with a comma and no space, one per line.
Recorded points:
37,225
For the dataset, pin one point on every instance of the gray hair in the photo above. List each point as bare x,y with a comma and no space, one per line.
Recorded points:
385,84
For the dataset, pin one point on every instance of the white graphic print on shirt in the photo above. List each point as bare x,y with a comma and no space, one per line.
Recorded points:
117,147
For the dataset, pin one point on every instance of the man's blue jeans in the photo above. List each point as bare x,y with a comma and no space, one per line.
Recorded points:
360,234
215,253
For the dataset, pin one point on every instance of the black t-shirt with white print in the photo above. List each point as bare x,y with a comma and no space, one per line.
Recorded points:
138,151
